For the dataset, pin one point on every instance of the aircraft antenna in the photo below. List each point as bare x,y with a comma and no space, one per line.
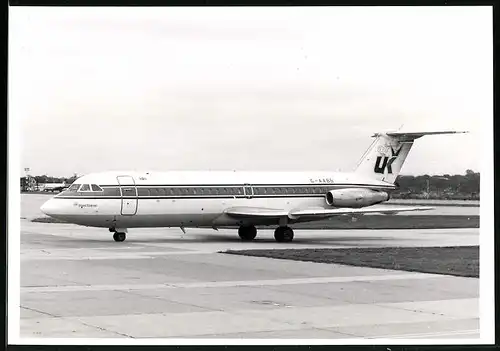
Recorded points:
366,152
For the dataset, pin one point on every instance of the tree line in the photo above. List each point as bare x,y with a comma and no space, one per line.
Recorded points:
44,179
444,186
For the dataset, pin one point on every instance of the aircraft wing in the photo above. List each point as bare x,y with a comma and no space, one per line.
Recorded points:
326,212
319,213
255,212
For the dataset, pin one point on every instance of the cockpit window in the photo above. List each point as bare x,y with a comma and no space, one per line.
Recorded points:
85,187
96,187
74,187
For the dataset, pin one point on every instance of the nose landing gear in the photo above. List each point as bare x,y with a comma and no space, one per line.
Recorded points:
119,237
119,234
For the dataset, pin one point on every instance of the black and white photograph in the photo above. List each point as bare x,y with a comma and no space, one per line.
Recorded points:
250,175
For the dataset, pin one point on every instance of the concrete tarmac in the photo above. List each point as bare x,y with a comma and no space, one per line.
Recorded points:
77,282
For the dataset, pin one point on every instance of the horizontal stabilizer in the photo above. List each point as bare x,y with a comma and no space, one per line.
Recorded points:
416,135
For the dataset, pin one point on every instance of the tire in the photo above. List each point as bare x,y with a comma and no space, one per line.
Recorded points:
119,237
283,234
247,233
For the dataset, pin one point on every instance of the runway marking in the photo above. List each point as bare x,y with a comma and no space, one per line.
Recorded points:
218,284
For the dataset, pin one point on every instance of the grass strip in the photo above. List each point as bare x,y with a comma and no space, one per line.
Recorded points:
455,260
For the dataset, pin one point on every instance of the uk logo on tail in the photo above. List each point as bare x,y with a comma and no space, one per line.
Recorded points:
384,162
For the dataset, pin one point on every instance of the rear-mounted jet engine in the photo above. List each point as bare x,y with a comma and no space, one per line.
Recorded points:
355,198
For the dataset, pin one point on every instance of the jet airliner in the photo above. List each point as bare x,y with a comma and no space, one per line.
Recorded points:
122,200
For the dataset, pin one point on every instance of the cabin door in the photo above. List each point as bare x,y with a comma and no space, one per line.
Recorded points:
128,193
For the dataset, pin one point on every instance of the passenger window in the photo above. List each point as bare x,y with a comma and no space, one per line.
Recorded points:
143,191
128,191
176,191
85,187
96,187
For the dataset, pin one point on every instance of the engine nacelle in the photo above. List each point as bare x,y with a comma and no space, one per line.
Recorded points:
355,198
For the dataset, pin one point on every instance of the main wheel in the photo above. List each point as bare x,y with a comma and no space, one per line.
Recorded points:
283,234
119,237
247,232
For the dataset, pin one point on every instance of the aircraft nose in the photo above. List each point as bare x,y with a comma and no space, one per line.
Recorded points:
48,207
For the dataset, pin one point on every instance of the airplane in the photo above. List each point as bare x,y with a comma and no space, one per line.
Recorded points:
229,199
54,186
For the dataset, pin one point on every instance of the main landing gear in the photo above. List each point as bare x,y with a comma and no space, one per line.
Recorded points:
282,234
247,232
119,234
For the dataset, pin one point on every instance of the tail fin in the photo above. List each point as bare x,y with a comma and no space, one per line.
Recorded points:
385,157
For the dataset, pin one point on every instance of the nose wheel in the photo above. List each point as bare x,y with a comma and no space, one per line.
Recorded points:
119,234
119,237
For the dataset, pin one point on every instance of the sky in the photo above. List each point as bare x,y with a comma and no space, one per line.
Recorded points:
266,89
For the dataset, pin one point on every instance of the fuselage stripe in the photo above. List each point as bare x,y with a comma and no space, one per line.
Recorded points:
388,186
188,197
212,192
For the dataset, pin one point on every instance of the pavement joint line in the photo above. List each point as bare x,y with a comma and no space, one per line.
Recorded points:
74,283
101,328
116,256
223,335
171,301
277,289
217,284
385,305
431,334
55,316
41,312
413,310
339,332
397,306
293,324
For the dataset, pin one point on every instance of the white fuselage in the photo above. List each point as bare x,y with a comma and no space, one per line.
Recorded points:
194,199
